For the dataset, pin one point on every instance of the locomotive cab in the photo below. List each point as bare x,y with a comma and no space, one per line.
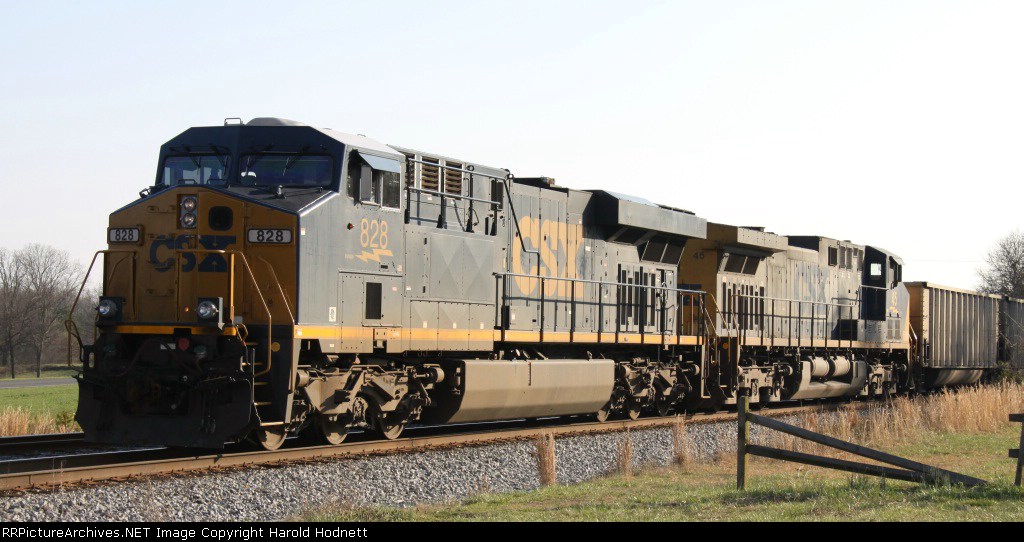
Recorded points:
882,273
197,325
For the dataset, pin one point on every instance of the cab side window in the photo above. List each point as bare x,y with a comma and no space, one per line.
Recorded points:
391,188
374,180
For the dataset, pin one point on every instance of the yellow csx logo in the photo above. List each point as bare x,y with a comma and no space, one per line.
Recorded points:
559,246
373,237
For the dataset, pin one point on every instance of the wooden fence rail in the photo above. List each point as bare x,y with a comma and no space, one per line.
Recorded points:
910,471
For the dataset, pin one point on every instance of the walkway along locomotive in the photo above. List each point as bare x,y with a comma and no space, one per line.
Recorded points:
279,278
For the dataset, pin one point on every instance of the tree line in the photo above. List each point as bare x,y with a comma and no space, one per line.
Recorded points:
1004,267
38,285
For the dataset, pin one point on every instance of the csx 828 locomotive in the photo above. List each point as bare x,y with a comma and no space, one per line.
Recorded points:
280,279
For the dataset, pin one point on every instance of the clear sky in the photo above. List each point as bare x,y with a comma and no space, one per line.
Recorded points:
893,123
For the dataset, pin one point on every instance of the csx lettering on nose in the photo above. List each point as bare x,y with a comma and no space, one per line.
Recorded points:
161,253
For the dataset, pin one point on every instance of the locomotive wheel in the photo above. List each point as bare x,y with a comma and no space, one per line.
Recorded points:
333,429
633,409
388,425
663,407
605,413
271,438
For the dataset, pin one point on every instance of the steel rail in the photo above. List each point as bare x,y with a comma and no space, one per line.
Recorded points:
194,463
45,441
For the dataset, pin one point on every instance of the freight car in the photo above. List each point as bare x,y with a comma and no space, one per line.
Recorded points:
958,330
280,279
1011,332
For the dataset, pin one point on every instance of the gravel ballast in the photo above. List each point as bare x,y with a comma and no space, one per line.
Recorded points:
401,480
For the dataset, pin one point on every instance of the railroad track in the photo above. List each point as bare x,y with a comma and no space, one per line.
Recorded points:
51,441
51,472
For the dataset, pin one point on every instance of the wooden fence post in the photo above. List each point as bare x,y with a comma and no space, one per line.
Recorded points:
1017,453
743,427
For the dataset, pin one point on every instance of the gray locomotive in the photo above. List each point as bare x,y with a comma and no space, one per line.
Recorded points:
279,278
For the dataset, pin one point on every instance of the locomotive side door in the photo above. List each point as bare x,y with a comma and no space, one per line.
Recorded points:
371,287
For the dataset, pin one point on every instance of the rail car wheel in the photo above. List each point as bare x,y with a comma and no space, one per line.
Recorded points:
271,438
333,429
388,425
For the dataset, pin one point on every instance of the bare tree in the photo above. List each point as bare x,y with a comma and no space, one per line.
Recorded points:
1004,267
85,317
52,280
13,309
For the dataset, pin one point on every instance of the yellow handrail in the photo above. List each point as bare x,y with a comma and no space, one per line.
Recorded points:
69,324
231,294
72,328
280,289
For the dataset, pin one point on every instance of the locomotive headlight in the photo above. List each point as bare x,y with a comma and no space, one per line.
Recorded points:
107,308
189,203
188,220
207,310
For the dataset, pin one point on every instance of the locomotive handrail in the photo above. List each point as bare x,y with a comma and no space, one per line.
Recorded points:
679,292
280,289
451,195
730,315
70,324
442,218
602,282
798,300
231,294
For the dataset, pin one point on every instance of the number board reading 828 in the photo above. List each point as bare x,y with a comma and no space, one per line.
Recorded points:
270,235
124,235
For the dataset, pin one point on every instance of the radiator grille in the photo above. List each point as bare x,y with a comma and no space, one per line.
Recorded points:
410,169
430,174
453,179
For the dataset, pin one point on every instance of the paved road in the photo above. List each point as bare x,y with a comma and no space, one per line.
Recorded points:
34,382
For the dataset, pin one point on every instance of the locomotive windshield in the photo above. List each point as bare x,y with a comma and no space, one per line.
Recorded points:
209,169
294,169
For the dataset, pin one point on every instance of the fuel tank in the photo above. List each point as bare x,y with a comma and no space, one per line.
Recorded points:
854,374
504,390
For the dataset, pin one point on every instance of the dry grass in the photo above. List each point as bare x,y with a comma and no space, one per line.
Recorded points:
42,409
681,454
546,459
624,458
973,410
16,421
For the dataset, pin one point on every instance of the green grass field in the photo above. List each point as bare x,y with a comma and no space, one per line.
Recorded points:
49,371
776,491
44,400
45,409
